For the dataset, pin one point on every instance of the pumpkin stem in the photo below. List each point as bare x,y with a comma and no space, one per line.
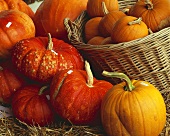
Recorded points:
89,74
50,43
42,89
149,4
105,11
129,84
1,68
137,21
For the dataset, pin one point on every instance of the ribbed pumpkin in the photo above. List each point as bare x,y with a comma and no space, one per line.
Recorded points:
91,28
50,15
94,7
17,5
155,13
128,28
132,108
109,19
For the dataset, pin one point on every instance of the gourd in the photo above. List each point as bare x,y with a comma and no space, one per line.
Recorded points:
40,58
132,108
155,13
128,28
97,40
76,96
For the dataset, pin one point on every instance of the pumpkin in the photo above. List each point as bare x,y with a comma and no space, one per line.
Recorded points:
50,15
97,40
10,81
76,96
128,28
91,28
109,19
107,40
14,26
95,9
40,58
31,105
155,13
17,5
132,108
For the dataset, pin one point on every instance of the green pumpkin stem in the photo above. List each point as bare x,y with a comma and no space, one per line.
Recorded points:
50,43
42,90
129,85
137,21
149,4
89,74
105,11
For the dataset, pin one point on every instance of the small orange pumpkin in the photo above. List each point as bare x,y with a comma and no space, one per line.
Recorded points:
128,28
132,108
155,13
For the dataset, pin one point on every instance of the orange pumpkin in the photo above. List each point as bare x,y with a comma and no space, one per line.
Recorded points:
132,108
155,13
128,28
109,19
50,15
17,5
94,7
97,40
91,28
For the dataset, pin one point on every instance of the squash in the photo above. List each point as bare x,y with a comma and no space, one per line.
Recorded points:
50,15
132,108
108,20
128,28
97,40
155,13
76,96
40,58
95,9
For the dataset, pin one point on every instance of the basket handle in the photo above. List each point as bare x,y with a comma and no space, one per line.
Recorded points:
75,29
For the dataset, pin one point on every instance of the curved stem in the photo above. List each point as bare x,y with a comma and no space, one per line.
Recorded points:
129,84
137,21
105,11
149,4
89,74
42,89
50,43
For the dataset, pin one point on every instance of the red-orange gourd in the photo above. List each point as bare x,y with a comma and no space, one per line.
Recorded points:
95,9
14,26
17,5
128,28
155,13
50,15
132,108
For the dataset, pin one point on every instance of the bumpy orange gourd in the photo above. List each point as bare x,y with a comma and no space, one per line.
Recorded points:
155,13
128,28
132,108
94,7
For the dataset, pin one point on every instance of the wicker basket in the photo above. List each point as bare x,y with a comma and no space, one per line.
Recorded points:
146,58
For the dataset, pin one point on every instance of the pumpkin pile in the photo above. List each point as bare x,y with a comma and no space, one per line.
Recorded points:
110,25
43,78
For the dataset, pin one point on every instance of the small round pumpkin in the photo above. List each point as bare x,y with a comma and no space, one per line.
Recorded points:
95,9
76,96
91,28
128,28
109,19
31,104
155,13
40,58
132,108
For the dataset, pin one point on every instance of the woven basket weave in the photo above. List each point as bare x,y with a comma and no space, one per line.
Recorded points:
146,58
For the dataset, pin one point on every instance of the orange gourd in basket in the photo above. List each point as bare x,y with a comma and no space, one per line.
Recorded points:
132,108
109,19
94,7
155,13
128,28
